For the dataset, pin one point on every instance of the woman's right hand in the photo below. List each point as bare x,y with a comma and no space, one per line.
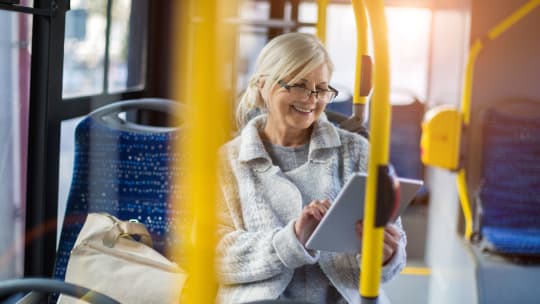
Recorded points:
309,219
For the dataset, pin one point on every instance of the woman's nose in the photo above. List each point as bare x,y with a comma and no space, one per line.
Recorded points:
313,96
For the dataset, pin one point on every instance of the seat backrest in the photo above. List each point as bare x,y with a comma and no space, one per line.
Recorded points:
405,139
509,198
405,133
124,169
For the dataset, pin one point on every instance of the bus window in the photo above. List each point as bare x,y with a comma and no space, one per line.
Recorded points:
251,39
129,22
307,13
14,99
103,53
408,38
84,48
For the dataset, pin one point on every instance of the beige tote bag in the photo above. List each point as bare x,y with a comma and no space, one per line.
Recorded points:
107,259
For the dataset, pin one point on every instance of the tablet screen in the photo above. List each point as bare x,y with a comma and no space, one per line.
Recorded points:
336,231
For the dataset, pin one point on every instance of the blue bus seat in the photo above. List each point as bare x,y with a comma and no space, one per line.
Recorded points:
509,196
405,133
124,169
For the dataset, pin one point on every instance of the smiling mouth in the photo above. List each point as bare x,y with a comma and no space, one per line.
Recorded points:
302,109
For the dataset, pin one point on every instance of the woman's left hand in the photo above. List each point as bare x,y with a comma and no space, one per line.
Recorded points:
391,240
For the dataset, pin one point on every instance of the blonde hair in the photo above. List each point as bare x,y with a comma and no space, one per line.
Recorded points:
288,55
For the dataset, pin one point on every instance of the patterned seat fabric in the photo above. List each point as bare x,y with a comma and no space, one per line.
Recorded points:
125,173
510,194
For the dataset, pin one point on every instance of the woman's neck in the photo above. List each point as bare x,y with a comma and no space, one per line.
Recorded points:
286,138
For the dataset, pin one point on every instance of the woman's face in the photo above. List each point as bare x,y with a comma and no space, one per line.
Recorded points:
287,113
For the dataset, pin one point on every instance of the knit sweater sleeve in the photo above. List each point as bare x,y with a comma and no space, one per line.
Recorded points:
397,262
245,256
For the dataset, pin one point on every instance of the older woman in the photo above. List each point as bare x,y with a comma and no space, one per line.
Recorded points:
279,177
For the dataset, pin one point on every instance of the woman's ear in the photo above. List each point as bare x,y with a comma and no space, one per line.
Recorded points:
260,86
260,83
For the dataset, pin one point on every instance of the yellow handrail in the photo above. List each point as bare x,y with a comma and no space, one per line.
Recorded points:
467,85
521,12
361,47
198,80
372,247
475,50
322,6
461,179
477,46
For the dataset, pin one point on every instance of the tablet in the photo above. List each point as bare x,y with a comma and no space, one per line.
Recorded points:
336,230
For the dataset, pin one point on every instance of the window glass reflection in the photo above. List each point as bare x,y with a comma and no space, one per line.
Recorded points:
127,45
14,99
408,36
251,39
408,39
84,48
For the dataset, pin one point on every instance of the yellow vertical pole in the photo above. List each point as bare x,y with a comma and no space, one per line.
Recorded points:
322,6
372,246
361,47
199,81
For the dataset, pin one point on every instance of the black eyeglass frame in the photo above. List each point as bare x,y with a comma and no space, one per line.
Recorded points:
288,87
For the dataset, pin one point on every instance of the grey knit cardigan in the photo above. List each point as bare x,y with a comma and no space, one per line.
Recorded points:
257,249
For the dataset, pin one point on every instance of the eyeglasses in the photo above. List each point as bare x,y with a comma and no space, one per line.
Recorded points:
300,92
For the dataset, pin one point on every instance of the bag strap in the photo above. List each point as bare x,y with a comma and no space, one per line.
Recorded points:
126,229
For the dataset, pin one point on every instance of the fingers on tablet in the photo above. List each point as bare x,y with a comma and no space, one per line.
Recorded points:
359,228
315,212
318,208
393,231
326,203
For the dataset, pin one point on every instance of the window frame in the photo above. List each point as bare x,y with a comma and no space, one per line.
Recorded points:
48,109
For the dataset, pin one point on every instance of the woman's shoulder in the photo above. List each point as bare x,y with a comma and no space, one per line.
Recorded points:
354,147
230,149
349,138
246,136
